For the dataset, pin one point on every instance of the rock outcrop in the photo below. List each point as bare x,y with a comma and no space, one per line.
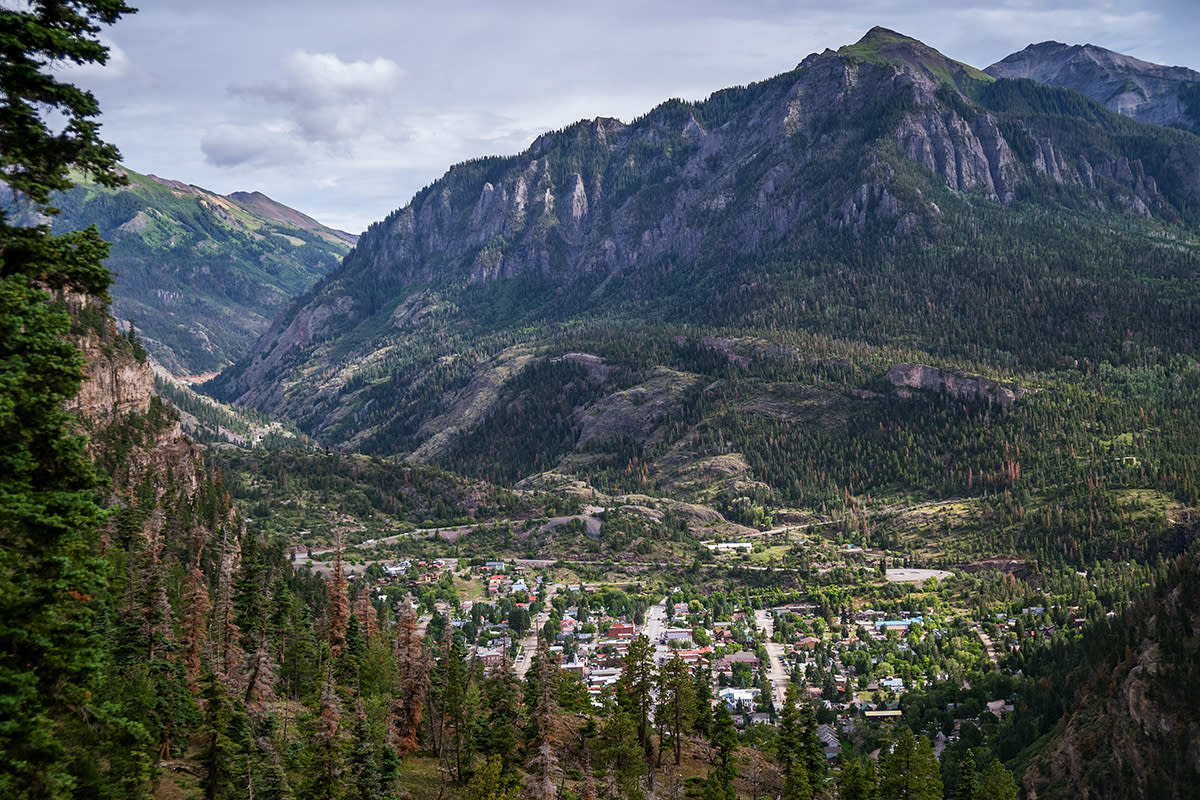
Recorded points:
132,432
905,378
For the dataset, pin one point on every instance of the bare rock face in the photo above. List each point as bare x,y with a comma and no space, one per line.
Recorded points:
907,377
114,387
119,387
638,413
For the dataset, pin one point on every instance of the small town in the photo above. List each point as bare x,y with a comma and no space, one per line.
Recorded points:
856,664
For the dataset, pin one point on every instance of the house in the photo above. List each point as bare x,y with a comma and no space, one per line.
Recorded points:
739,699
578,667
695,656
725,663
999,707
621,630
490,658
897,624
722,636
829,742
676,635
730,547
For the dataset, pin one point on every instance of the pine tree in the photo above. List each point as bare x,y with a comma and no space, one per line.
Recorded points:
338,612
227,652
703,698
50,577
544,767
326,745
224,731
491,782
968,778
622,757
996,783
675,702
447,698
723,739
909,771
196,607
636,686
501,737
412,681
856,780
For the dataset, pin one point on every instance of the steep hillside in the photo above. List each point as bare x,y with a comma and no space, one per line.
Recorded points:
882,274
1147,92
201,275
1132,729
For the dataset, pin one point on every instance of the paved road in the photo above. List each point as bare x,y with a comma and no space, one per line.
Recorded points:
529,643
988,646
765,621
656,623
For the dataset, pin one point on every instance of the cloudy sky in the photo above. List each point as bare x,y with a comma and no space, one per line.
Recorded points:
345,109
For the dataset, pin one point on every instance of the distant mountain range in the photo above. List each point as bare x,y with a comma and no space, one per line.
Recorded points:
1147,92
201,275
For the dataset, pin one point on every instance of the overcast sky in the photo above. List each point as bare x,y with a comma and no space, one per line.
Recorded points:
345,109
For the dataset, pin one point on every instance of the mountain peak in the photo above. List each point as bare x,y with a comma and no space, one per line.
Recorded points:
1140,89
884,46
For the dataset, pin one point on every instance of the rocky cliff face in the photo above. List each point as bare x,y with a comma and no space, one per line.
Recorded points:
132,434
907,377
1147,92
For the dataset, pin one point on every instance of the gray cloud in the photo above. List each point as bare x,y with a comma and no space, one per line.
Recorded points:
326,98
233,146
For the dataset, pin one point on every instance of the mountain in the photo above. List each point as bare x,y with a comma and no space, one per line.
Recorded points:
1147,92
883,275
200,274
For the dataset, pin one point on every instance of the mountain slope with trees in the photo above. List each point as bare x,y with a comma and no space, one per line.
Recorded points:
881,278
201,275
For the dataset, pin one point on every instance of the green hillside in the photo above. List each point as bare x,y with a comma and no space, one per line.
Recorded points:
201,275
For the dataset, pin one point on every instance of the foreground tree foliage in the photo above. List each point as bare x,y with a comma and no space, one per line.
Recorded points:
51,582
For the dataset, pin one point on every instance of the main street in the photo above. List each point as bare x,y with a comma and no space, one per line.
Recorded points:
529,643
764,620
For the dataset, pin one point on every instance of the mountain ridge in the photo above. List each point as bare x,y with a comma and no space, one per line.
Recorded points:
1139,89
751,168
719,302
200,274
